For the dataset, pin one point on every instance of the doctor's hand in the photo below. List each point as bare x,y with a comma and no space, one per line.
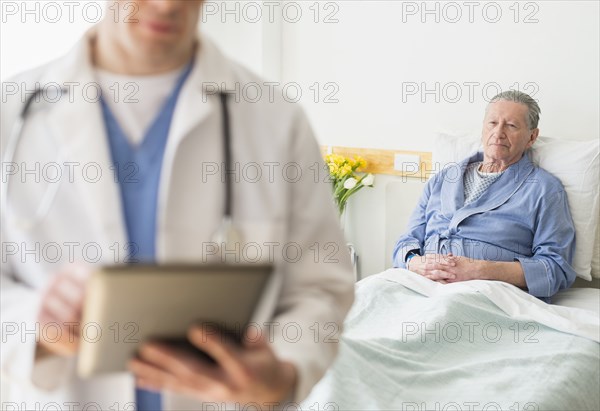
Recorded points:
60,314
248,373
436,267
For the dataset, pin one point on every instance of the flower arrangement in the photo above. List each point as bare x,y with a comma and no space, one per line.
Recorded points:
345,182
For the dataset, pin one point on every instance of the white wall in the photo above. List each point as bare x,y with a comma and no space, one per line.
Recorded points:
31,35
375,56
378,50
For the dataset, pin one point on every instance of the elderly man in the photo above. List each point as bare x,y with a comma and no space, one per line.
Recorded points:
500,217
153,144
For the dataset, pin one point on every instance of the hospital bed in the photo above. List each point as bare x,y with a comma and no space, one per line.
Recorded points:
413,344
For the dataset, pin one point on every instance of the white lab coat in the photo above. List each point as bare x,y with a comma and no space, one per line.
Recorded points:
86,217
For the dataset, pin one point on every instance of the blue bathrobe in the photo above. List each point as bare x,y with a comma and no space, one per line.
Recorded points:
523,216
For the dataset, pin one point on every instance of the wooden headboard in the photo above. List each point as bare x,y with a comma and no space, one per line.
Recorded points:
417,164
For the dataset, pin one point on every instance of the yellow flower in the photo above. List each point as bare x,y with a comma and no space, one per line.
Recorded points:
341,167
345,170
360,162
345,182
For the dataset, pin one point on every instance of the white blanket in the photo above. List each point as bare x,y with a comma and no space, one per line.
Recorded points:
413,344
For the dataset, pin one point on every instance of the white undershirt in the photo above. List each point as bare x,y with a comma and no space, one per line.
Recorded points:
135,101
477,182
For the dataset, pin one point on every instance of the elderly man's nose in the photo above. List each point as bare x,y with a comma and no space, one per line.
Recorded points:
498,131
500,127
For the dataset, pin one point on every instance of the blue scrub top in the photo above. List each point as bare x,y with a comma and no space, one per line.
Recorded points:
138,172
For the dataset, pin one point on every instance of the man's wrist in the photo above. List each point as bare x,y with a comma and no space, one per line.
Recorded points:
482,270
411,254
507,271
408,262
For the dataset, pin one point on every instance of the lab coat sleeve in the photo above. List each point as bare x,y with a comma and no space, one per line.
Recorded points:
21,331
414,237
19,302
549,269
19,306
318,287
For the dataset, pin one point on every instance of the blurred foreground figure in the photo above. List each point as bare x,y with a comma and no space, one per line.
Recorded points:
142,179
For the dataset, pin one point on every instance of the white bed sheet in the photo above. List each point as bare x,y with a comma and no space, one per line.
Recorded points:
394,354
586,298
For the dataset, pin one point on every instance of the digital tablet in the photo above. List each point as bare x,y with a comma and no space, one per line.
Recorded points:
126,306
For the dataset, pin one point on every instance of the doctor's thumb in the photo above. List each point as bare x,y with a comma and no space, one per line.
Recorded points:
255,338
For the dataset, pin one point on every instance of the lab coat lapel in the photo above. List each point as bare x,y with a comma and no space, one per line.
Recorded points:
197,101
453,197
211,73
499,192
76,123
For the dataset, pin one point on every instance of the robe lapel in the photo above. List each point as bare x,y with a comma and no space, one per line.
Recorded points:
498,193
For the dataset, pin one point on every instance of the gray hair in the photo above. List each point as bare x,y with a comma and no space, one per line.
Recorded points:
533,116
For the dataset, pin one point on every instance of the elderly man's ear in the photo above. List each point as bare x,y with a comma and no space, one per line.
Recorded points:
532,137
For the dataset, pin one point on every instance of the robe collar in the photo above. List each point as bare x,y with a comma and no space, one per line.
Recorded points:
453,191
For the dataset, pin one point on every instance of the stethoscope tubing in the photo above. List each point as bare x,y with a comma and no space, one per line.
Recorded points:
9,156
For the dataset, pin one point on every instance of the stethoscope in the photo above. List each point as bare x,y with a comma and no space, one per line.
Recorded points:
9,156
226,232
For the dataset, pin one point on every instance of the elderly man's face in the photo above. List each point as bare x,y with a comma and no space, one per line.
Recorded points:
505,134
156,26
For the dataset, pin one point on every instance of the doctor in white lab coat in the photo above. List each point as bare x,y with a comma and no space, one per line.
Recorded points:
281,202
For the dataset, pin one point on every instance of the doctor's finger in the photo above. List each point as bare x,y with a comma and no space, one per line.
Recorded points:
152,376
57,340
77,273
68,325
60,309
179,363
68,281
68,290
216,345
69,330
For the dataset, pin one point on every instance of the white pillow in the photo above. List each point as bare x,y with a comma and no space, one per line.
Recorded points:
453,148
596,258
575,163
